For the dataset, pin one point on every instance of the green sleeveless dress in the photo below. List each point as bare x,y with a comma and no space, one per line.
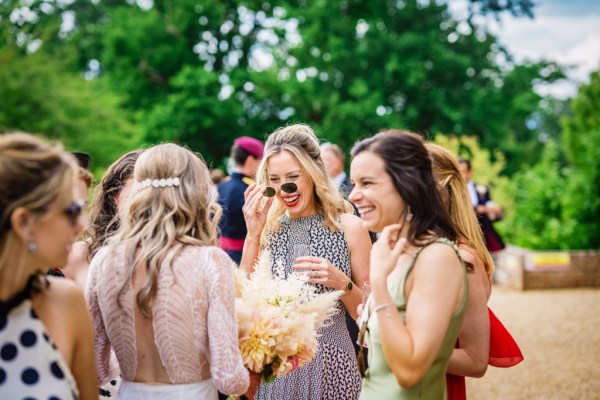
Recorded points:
379,382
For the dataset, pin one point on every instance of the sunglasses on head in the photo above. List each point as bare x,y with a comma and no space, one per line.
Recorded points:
73,211
289,187
83,159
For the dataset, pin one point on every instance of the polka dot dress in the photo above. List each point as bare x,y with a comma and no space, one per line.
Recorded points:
30,365
332,374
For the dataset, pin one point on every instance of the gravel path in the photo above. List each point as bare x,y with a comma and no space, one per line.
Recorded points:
559,334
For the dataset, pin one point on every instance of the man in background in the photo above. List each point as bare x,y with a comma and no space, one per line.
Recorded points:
334,160
246,154
487,211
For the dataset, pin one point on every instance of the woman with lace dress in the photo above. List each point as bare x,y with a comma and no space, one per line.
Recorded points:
308,228
161,293
46,338
418,278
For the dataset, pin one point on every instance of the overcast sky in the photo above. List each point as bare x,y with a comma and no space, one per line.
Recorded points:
567,31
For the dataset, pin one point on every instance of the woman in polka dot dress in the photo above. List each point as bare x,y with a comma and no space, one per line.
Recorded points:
46,340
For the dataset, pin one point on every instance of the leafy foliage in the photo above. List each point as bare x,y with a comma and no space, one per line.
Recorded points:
37,96
109,76
557,202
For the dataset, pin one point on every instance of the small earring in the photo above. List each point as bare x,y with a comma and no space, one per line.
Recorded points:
409,215
31,246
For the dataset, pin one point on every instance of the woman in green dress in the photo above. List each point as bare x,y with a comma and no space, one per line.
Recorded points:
418,280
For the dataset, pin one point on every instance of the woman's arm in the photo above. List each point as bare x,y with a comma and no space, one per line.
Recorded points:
226,366
255,213
320,270
471,357
102,344
434,291
84,365
359,244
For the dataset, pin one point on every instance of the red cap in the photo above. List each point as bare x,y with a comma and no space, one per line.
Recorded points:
251,145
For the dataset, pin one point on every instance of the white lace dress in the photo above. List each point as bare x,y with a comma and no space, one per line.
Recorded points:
192,316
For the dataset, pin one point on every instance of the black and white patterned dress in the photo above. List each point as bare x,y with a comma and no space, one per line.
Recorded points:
30,365
333,373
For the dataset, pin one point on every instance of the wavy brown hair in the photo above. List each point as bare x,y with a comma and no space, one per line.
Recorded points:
104,220
408,164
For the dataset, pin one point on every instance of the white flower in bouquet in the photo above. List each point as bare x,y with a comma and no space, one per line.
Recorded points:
278,319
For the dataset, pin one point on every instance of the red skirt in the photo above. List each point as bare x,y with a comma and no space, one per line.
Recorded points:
504,353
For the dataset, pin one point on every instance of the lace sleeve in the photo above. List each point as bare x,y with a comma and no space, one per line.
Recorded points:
226,366
102,347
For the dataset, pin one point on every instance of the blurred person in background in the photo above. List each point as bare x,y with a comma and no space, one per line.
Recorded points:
109,197
487,211
246,154
334,160
84,183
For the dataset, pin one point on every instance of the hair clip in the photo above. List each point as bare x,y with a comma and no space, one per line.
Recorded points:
157,183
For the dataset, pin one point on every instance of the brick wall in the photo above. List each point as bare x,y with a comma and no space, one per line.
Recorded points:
514,269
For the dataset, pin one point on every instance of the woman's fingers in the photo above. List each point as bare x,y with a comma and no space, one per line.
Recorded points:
399,247
253,196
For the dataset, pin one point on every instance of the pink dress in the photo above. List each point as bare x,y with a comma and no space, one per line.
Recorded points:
193,317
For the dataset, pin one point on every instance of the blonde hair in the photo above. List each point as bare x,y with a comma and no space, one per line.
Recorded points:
301,141
33,174
160,219
456,196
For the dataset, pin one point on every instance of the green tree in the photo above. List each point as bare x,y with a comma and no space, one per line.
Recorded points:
408,64
582,146
38,96
349,68
557,200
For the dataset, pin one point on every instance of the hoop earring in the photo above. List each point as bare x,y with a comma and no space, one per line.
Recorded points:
31,246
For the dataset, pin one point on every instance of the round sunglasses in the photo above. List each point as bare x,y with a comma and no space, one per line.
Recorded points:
73,210
289,187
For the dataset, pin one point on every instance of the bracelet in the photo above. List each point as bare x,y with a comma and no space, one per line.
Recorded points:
381,307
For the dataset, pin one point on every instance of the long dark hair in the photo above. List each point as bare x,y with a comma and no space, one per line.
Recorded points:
104,221
408,164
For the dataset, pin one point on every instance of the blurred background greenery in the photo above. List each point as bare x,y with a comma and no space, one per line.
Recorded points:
109,76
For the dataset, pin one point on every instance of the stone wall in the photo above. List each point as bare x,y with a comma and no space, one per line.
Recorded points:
522,269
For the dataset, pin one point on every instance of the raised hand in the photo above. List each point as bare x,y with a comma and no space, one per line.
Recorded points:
320,270
385,253
255,209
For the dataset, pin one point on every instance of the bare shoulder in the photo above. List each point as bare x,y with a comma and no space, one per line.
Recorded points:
77,261
469,255
356,234
63,290
439,258
351,222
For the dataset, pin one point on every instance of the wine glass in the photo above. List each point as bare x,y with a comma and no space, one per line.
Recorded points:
301,250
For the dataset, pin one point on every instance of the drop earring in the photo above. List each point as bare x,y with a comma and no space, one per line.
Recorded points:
31,246
409,215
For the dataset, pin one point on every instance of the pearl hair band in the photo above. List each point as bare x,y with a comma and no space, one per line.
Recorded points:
157,183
